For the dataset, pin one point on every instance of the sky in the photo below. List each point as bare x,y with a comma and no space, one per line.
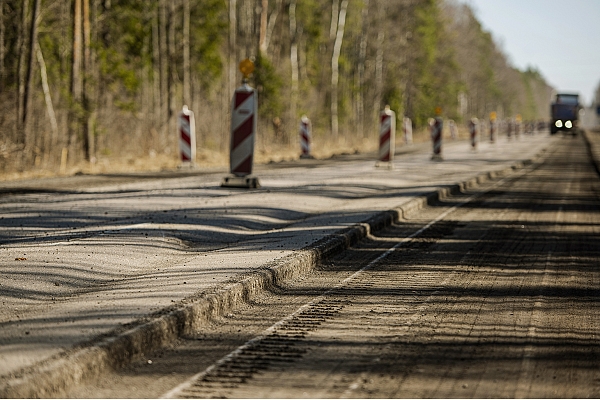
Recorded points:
560,38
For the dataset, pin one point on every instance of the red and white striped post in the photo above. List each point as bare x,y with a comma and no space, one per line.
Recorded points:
474,132
387,133
492,127
186,127
305,136
453,130
408,134
436,127
243,129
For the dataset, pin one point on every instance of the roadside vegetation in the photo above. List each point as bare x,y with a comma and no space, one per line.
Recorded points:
90,85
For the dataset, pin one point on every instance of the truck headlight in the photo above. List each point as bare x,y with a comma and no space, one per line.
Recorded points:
558,124
568,124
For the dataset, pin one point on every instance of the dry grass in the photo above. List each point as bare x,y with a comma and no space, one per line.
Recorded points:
321,148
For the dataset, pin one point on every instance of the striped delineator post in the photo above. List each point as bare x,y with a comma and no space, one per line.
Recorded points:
474,132
243,130
436,127
186,127
453,130
305,136
518,125
408,134
492,127
387,133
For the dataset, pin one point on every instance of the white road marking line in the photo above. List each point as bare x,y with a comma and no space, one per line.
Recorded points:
190,382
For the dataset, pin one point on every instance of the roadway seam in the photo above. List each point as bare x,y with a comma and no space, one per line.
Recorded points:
53,376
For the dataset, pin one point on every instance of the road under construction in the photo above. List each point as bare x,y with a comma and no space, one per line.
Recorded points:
474,276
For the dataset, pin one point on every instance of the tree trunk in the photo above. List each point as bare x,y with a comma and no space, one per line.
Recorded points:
88,140
164,76
47,95
271,24
76,78
248,28
293,60
171,127
232,37
377,106
335,6
156,69
231,76
187,97
2,47
362,57
264,12
20,138
28,84
337,47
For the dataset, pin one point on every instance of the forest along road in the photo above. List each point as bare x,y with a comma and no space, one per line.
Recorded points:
490,293
80,263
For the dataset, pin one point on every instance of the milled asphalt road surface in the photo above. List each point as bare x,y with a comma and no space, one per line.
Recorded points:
82,262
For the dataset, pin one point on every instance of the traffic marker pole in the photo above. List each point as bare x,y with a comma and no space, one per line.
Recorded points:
492,127
453,129
387,133
305,136
436,127
186,127
474,132
243,130
436,138
408,134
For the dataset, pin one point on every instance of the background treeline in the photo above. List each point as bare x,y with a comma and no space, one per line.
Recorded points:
86,79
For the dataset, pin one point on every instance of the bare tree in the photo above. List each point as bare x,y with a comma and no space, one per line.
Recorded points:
172,78
247,29
187,98
47,95
2,46
335,61
76,78
32,44
360,76
164,76
293,59
21,71
271,24
264,12
76,74
156,69
379,58
335,10
88,137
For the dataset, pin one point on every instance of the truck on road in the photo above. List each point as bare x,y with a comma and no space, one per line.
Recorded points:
564,113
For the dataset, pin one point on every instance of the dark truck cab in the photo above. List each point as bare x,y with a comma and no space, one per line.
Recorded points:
565,113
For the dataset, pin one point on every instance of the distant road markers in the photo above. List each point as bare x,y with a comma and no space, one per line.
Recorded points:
305,137
436,127
186,127
474,132
387,133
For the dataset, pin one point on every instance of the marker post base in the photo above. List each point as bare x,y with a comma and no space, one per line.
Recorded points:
384,165
243,182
